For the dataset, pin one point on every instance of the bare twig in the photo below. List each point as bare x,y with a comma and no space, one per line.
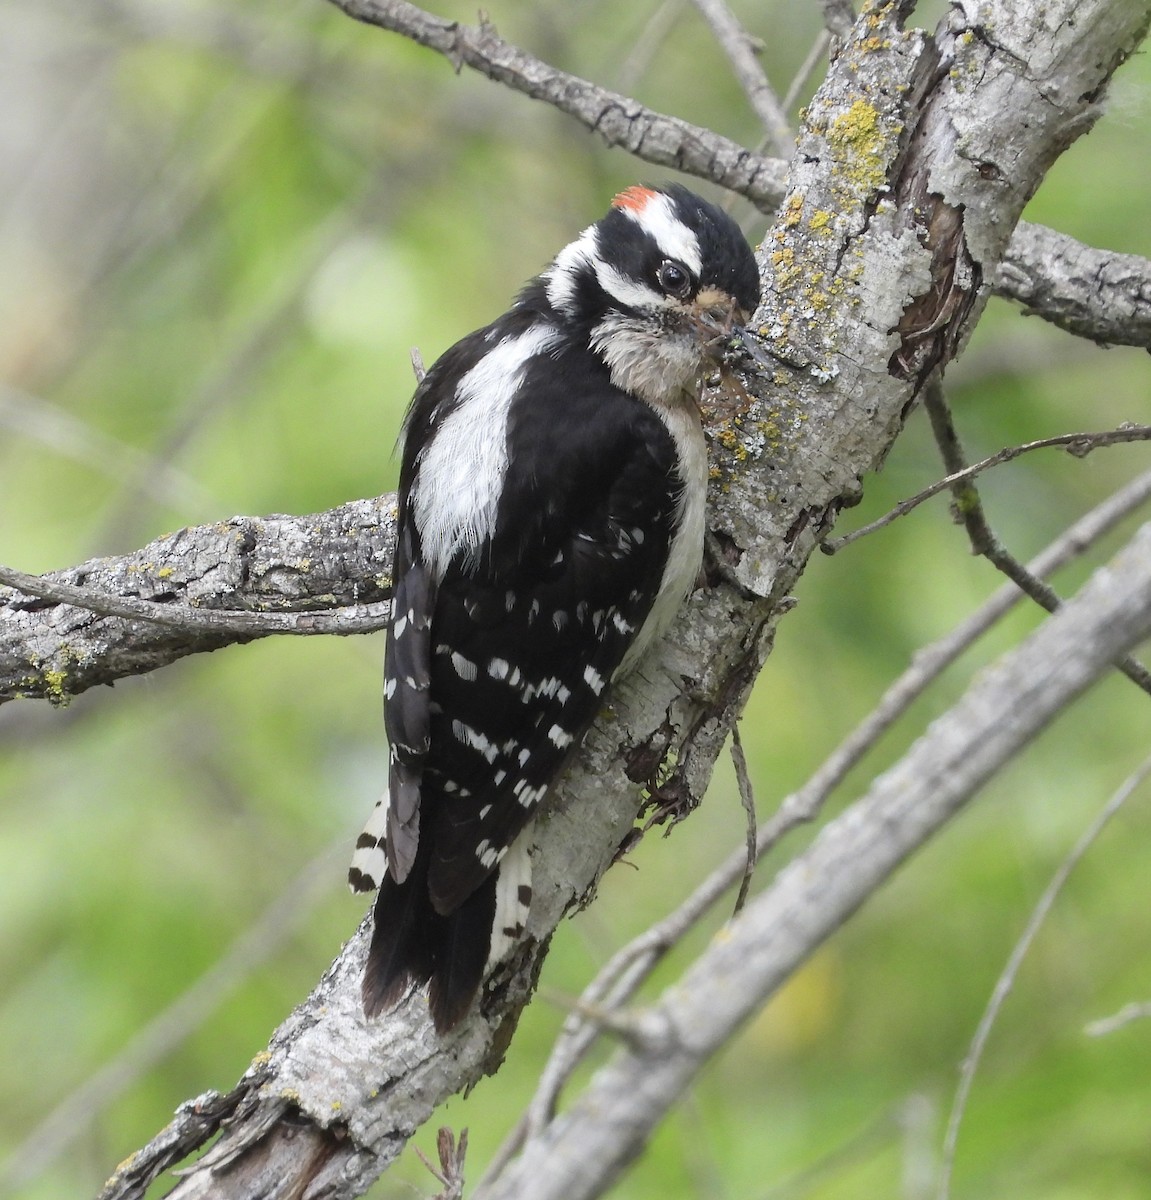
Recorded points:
60,431
1109,302
620,978
741,49
1135,1011
1094,293
1078,444
1010,973
969,506
273,321
652,37
866,1140
747,798
816,55
358,619
1001,712
650,136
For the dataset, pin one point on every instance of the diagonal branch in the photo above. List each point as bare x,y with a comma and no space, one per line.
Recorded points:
741,50
662,140
882,210
1092,293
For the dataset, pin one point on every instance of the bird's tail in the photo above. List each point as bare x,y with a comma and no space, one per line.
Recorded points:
412,944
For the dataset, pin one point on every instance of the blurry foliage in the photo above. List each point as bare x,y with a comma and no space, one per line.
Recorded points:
222,228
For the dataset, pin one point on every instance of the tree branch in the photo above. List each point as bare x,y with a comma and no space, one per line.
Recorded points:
1091,293
874,277
742,51
194,591
620,121
620,978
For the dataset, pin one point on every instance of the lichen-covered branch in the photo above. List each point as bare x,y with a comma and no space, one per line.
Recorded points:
196,590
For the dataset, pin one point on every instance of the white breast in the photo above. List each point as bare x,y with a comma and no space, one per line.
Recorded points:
685,555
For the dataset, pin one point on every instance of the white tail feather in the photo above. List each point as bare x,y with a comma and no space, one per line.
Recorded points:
513,899
369,861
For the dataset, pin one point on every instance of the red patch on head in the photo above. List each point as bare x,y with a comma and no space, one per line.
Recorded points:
636,198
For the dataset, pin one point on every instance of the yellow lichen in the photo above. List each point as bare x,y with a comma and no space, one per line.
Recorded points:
858,142
54,691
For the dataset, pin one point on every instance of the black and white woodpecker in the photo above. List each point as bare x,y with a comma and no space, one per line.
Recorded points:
551,522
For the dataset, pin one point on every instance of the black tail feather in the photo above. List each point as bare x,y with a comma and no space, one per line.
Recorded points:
461,944
412,944
400,954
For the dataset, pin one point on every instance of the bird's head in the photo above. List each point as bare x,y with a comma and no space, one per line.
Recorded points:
658,285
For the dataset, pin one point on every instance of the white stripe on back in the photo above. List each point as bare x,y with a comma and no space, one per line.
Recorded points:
461,471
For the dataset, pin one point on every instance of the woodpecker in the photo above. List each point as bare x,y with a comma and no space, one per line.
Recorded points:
551,522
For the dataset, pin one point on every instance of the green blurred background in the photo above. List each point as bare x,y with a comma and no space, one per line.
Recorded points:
222,228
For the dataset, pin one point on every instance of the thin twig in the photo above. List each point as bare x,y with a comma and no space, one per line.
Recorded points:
67,435
1135,1011
1078,444
747,798
271,325
740,48
816,55
647,45
360,618
1010,973
969,506
1001,711
866,1140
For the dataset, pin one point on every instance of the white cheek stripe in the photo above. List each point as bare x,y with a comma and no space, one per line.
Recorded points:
461,471
671,235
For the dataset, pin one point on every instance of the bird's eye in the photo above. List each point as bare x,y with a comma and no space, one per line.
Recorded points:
674,278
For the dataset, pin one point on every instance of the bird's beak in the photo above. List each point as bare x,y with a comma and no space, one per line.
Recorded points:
716,317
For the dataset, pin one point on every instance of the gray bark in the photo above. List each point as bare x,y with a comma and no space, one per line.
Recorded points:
194,591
